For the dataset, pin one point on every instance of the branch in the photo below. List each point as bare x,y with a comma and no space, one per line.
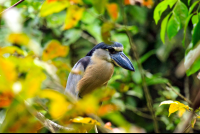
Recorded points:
139,113
12,6
50,125
180,95
144,84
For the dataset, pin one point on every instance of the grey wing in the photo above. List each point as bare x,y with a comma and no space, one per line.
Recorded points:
74,77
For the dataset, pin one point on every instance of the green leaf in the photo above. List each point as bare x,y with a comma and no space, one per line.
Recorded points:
195,19
189,2
147,55
161,7
194,68
163,28
181,11
192,7
185,28
156,80
173,26
196,34
99,5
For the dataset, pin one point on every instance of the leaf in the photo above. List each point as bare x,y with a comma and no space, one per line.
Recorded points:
105,32
195,19
54,49
163,28
185,27
74,14
19,38
99,5
58,104
147,55
192,7
173,26
113,10
175,106
85,120
181,11
6,98
161,7
33,82
196,34
181,112
8,73
54,6
11,50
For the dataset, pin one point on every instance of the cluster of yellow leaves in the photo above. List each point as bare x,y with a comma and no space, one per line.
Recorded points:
74,12
176,106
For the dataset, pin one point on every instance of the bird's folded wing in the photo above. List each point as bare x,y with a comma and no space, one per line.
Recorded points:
76,75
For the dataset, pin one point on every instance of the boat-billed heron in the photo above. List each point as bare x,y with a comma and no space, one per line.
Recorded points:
97,68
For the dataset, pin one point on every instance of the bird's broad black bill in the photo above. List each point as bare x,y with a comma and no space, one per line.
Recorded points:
120,59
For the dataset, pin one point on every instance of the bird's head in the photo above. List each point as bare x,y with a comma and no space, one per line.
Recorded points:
116,54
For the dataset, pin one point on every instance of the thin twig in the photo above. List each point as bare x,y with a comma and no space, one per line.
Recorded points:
136,111
12,6
180,95
52,126
186,88
144,84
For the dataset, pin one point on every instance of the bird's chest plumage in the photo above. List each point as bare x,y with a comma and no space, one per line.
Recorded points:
96,75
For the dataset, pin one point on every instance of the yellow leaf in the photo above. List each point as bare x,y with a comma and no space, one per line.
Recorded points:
83,106
54,6
86,120
181,112
74,14
54,49
11,50
113,10
176,106
58,103
33,82
19,38
8,73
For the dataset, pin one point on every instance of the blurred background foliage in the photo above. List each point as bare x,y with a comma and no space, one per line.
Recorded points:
41,40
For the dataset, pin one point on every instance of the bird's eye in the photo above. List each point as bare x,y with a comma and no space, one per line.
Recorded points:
112,50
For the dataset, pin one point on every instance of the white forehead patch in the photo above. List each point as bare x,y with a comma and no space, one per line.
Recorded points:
118,49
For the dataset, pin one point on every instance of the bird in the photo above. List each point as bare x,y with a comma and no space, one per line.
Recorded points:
96,68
